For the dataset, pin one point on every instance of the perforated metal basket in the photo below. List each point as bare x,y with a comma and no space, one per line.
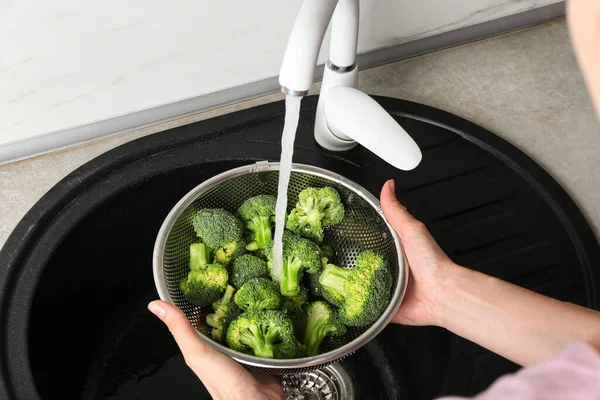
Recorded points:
364,227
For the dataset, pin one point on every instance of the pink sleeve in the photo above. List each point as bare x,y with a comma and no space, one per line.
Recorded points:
572,374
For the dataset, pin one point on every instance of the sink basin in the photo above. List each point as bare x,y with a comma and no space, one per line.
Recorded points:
77,272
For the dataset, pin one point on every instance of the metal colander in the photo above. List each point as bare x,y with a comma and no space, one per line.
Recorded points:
364,227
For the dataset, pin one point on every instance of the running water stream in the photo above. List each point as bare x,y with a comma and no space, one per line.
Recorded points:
292,115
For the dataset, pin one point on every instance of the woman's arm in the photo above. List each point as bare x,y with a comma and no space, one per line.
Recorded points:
584,25
520,325
516,323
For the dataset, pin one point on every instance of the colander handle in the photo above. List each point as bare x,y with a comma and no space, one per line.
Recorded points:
261,166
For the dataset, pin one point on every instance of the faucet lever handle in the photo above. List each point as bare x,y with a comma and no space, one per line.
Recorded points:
352,113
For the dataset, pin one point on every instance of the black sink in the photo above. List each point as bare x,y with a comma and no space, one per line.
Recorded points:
76,273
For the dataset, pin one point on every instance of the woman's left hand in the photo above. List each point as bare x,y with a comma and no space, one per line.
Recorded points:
223,377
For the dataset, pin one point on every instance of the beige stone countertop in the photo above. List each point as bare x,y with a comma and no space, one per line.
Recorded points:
525,87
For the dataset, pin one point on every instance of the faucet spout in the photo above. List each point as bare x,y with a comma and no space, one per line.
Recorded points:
300,57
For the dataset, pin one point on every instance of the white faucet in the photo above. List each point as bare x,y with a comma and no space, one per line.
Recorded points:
345,115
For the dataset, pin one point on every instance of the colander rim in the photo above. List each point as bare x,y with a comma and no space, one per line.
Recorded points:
398,291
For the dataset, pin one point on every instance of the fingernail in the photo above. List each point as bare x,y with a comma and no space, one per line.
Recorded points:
157,310
393,185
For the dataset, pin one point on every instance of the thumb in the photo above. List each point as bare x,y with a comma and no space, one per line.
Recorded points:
416,239
397,215
211,366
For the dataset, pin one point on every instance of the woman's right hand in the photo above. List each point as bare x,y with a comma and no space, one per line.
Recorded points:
429,265
478,307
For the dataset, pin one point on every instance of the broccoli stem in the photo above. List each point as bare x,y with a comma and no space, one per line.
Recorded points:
261,227
316,330
226,299
272,335
314,208
333,277
262,305
264,352
258,305
314,217
252,246
259,340
213,320
291,274
323,203
199,256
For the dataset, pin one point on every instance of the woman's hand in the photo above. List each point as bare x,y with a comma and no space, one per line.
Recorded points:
223,377
429,265
518,324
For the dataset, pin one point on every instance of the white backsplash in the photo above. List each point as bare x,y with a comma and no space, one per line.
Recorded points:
66,63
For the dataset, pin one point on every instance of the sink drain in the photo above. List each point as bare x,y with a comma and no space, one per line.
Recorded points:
329,383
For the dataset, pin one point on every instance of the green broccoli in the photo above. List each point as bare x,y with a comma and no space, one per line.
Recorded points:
362,293
247,267
205,282
299,255
258,294
225,311
221,231
321,321
296,314
316,209
300,298
203,286
258,215
230,251
267,334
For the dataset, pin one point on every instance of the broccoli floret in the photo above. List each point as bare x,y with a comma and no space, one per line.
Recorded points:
316,209
216,226
299,255
362,293
297,315
247,267
205,282
221,231
321,321
230,251
204,285
225,311
267,334
258,215
258,294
